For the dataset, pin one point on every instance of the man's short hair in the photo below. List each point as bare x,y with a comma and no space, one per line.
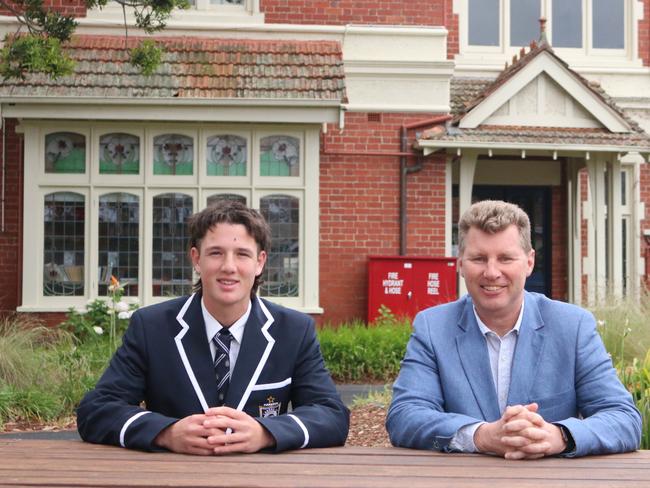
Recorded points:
230,212
492,216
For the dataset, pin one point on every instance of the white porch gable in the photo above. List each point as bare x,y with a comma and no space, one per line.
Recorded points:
544,92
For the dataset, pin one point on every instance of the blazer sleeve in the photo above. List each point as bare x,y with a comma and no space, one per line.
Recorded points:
111,413
318,417
416,417
610,421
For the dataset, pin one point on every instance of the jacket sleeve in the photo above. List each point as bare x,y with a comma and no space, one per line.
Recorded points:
318,417
416,417
111,413
610,422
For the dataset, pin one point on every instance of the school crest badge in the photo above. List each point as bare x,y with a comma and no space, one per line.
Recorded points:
270,409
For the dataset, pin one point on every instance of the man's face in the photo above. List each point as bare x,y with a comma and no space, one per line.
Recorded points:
495,268
228,262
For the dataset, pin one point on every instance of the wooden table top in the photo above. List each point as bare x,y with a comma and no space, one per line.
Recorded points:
74,463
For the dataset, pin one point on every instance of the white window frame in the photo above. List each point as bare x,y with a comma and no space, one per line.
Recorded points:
201,13
93,185
586,55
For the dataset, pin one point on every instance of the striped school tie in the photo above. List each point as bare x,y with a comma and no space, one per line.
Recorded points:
222,363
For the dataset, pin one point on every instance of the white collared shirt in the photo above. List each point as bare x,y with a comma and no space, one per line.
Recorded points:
501,351
212,327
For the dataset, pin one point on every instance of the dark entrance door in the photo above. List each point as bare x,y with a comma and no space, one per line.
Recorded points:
536,202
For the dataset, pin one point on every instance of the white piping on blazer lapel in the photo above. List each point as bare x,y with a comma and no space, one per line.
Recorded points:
265,355
181,350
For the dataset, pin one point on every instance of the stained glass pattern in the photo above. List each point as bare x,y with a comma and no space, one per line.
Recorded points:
280,278
65,152
213,199
173,155
64,239
279,156
119,154
226,155
119,246
172,271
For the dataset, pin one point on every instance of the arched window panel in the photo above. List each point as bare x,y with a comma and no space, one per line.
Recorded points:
65,152
118,242
63,244
219,197
282,271
171,268
173,154
119,154
226,155
279,156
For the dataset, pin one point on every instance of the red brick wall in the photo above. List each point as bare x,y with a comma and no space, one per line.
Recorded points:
359,214
341,12
11,236
644,34
67,7
559,263
451,23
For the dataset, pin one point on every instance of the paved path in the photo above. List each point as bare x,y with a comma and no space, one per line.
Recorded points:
347,392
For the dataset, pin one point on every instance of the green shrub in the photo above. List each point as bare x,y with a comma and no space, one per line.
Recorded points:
20,337
623,326
635,375
356,352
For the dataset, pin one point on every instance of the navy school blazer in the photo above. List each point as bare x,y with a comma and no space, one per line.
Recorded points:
163,371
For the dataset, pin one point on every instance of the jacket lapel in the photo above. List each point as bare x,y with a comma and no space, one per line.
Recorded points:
255,349
193,347
473,354
528,353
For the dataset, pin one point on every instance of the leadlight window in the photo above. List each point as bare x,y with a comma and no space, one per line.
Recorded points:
118,242
119,154
171,269
226,155
65,152
214,199
173,155
111,220
279,156
281,275
63,244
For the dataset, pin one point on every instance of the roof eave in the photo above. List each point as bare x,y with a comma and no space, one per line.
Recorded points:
174,109
430,146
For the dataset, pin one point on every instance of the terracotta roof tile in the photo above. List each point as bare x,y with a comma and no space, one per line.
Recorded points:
196,68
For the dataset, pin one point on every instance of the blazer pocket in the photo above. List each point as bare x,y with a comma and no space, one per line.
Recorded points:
269,399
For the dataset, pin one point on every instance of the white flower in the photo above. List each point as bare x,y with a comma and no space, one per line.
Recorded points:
89,302
121,306
600,323
82,311
98,330
123,315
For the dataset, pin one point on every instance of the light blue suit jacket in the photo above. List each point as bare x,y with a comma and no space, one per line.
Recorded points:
560,362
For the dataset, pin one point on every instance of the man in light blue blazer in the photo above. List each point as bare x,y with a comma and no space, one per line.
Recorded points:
504,371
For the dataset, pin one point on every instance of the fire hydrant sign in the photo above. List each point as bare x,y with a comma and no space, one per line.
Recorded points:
393,284
407,285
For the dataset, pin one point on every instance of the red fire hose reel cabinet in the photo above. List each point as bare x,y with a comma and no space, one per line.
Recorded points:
407,285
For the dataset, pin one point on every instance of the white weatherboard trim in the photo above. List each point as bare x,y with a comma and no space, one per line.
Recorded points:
183,354
304,429
128,423
545,63
265,355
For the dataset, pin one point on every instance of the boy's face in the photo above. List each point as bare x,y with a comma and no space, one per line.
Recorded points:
228,262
